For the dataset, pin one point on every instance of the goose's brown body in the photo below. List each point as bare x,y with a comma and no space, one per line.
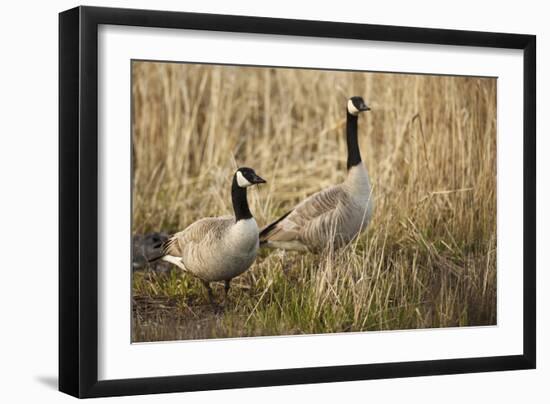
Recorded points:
214,248
330,218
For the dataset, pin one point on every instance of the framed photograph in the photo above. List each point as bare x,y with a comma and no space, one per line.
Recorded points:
250,201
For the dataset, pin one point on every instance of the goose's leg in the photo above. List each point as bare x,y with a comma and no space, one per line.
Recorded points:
285,266
209,290
227,286
217,308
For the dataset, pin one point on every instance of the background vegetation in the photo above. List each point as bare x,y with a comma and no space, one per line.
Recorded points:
428,258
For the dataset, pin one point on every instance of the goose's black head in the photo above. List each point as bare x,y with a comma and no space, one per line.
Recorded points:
246,177
356,105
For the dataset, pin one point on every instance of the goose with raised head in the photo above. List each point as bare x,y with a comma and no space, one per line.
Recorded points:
218,248
333,216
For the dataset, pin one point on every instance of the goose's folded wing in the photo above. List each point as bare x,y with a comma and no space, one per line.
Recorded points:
316,206
203,232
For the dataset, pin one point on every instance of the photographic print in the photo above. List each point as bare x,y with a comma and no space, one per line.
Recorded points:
272,201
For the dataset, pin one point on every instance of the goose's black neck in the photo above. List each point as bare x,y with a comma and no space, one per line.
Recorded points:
240,203
354,154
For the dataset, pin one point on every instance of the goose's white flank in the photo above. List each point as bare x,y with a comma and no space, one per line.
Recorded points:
218,248
333,216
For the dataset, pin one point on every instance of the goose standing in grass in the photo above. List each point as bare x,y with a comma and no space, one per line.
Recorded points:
218,248
334,216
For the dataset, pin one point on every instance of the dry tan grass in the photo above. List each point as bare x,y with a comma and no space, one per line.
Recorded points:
428,258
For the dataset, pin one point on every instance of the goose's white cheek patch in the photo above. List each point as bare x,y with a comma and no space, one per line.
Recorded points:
241,181
351,108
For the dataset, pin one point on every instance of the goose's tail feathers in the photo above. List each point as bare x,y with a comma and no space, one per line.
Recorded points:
268,230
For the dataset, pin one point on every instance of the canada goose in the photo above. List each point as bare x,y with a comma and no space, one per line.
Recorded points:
335,215
145,246
218,248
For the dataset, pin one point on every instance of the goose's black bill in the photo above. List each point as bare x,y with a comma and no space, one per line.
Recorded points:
256,179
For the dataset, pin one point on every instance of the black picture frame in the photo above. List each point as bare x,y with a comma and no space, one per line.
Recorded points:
78,200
